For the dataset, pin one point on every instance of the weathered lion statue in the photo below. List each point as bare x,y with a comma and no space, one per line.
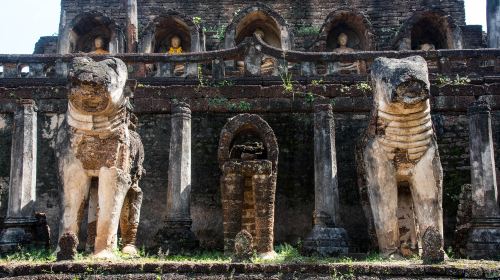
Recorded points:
400,147
97,143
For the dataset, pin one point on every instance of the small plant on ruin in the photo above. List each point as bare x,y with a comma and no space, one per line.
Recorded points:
443,81
364,87
286,77
224,83
317,83
307,30
309,97
458,81
217,102
201,80
31,255
241,106
197,20
345,89
218,30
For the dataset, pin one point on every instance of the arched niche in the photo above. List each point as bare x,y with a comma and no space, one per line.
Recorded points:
248,158
355,25
429,27
79,35
157,35
246,22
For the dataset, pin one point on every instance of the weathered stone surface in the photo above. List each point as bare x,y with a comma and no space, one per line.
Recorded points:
97,141
493,21
248,183
19,227
176,236
243,247
400,147
68,242
211,271
464,219
327,238
484,235
432,245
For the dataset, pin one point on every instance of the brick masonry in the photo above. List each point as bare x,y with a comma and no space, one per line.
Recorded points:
291,121
304,18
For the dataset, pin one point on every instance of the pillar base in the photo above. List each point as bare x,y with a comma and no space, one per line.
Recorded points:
25,231
176,237
484,239
326,242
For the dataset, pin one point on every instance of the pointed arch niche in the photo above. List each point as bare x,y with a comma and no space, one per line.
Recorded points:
355,25
435,28
80,34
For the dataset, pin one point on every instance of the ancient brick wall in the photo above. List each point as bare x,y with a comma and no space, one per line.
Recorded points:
304,17
295,185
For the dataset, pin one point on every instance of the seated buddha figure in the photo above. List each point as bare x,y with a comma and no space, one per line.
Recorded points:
99,46
427,47
176,48
267,65
345,66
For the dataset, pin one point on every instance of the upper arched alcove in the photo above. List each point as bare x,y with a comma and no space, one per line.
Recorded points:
258,17
432,27
158,34
80,34
354,24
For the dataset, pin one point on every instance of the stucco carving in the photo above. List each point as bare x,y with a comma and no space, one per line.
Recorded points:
400,148
96,141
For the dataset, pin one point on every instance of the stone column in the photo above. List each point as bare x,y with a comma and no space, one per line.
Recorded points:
176,235
132,26
20,221
493,18
326,237
484,235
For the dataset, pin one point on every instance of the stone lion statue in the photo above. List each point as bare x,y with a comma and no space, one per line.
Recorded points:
400,147
97,143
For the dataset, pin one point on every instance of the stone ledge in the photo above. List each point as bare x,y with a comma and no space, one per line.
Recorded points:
67,270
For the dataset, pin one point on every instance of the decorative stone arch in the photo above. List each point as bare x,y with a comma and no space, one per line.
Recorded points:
248,182
157,34
79,34
354,24
429,26
263,17
248,123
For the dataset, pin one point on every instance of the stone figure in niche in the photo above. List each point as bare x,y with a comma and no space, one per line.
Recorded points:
427,47
248,158
99,46
343,39
400,148
97,141
176,48
267,65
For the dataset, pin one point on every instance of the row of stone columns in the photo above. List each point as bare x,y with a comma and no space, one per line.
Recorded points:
19,225
493,18
484,234
326,238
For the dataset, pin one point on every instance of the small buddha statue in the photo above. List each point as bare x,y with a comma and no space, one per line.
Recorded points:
99,46
267,64
427,47
176,48
345,66
175,45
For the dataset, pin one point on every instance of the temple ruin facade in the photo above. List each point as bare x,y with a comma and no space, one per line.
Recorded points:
220,92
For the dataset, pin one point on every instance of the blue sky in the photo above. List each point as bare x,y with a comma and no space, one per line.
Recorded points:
24,21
